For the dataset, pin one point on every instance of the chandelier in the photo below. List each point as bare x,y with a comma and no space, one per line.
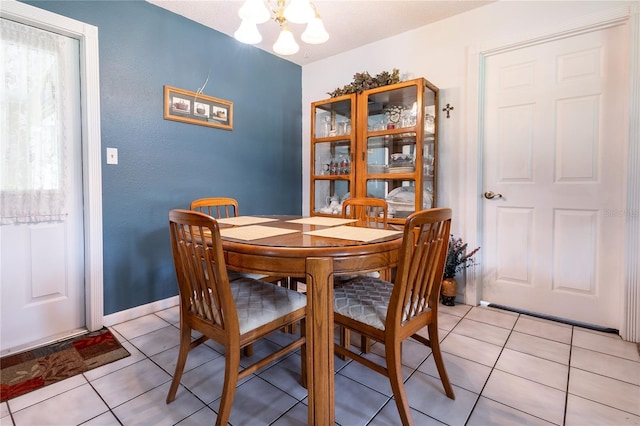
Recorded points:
254,12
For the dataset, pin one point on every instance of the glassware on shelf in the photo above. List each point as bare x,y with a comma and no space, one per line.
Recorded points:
376,123
408,118
344,127
429,123
326,127
394,115
333,166
345,165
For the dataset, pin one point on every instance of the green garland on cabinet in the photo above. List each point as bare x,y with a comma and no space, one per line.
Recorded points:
364,81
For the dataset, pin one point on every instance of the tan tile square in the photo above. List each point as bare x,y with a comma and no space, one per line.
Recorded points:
458,310
606,365
525,395
614,393
139,326
471,349
537,346
488,412
447,321
606,343
530,367
482,331
544,328
583,412
463,373
500,318
72,407
426,394
150,408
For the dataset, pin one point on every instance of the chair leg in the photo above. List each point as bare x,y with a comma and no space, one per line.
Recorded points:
345,339
303,355
365,344
437,357
185,342
393,354
231,370
291,284
248,350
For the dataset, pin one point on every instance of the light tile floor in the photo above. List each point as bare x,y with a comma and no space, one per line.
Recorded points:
506,369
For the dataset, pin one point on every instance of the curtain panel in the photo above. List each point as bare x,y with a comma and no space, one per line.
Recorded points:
33,178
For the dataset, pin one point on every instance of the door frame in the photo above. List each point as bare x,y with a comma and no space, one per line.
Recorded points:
473,178
87,35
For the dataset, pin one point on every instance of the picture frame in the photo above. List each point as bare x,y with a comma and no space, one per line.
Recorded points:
196,108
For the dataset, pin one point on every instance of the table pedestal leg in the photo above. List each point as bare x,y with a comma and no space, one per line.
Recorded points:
320,366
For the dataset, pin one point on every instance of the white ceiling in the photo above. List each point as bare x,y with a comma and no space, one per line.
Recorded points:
350,24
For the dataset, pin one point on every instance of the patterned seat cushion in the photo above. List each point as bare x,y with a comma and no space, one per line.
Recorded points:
364,299
258,302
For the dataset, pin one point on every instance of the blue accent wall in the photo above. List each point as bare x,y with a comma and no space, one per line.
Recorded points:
166,164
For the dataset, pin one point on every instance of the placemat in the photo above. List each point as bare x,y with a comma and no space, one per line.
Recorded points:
254,232
245,220
323,221
353,233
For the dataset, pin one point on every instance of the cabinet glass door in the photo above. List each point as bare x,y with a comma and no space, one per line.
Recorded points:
332,142
399,165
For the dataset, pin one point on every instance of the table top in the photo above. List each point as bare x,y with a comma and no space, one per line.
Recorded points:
286,254
300,233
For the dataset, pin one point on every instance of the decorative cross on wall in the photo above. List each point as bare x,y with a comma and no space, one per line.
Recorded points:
447,109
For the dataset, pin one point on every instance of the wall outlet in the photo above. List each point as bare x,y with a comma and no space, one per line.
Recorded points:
112,155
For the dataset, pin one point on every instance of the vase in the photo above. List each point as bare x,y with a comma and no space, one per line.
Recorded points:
448,291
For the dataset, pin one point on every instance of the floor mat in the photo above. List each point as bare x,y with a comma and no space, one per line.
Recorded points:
30,370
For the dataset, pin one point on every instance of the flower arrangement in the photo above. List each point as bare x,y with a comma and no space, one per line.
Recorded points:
457,257
364,81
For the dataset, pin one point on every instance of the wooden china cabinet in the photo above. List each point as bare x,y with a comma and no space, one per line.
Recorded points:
380,143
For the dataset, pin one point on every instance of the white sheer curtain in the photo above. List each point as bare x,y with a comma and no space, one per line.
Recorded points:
33,150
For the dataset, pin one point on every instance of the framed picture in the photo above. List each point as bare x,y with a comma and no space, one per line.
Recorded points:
196,108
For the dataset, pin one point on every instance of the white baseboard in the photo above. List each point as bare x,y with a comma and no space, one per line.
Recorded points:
140,311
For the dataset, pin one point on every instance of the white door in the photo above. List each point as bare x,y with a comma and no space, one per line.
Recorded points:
554,149
42,262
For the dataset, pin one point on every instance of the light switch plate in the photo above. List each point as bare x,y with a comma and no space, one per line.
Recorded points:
112,155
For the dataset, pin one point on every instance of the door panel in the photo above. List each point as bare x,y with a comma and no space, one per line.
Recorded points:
43,263
554,149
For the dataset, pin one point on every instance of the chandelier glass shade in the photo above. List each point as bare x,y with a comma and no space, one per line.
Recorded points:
254,12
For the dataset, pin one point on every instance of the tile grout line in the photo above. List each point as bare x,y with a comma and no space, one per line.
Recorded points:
566,394
492,368
109,409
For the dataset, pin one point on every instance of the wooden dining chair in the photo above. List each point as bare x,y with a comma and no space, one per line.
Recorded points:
216,207
224,207
220,208
232,313
392,312
371,213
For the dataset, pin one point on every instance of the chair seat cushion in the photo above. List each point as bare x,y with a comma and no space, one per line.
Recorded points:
259,303
364,299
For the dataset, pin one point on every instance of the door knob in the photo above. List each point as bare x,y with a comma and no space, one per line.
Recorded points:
490,195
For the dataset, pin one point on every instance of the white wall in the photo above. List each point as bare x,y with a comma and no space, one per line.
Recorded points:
438,52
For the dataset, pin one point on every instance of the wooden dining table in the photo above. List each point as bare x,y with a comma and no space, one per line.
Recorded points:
313,249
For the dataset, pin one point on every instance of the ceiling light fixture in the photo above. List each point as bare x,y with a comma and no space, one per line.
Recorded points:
254,12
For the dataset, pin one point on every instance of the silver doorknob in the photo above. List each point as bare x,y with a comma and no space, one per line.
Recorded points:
490,195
